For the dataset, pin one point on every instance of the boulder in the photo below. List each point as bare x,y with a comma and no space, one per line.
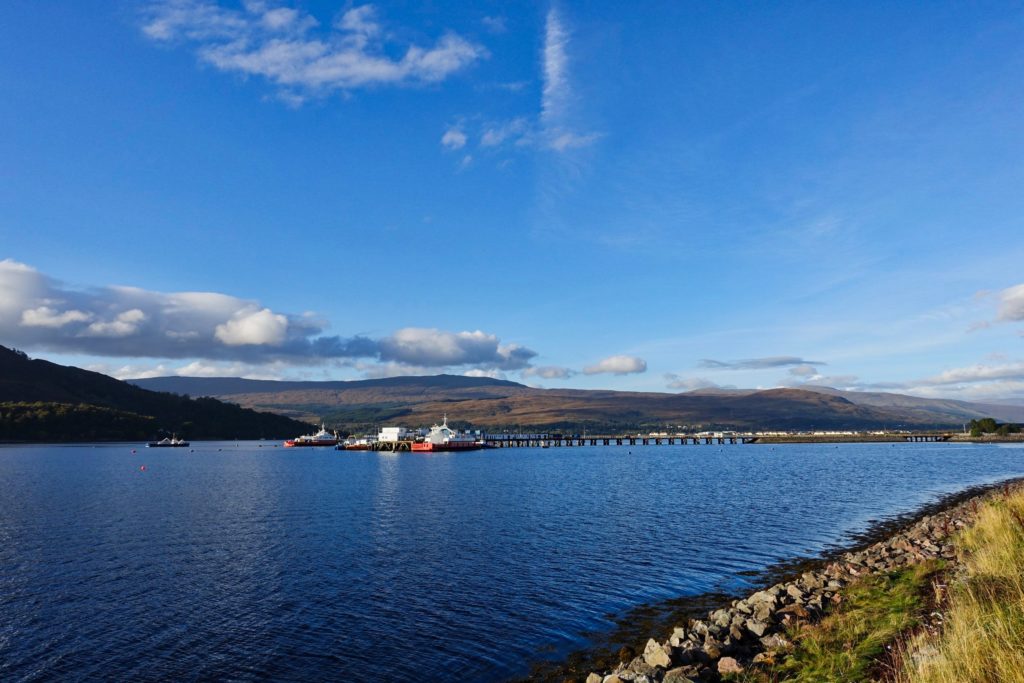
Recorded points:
680,674
728,665
595,678
656,654
758,628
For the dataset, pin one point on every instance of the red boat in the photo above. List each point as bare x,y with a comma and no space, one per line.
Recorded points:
321,438
444,438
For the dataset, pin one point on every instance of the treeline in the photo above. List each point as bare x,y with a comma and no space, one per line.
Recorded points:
198,419
71,422
988,425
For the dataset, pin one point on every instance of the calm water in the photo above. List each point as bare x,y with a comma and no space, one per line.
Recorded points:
254,563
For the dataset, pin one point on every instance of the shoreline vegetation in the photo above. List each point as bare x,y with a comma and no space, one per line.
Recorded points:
934,596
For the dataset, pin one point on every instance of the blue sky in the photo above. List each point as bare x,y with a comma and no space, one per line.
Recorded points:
656,197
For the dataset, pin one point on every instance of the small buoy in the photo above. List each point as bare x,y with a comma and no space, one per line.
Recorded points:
133,451
142,468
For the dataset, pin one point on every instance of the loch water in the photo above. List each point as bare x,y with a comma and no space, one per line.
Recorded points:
243,561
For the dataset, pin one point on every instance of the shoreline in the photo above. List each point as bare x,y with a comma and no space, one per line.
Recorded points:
653,622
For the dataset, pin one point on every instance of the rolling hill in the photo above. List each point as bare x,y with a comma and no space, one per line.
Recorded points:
500,404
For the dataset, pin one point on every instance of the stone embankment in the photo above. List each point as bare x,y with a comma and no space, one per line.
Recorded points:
755,630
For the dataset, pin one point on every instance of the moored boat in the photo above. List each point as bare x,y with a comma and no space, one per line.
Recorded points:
172,442
357,444
444,438
321,438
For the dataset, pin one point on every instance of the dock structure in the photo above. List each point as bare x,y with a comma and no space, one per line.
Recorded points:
928,437
558,441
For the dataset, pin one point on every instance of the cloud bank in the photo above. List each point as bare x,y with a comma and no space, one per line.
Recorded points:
39,312
289,48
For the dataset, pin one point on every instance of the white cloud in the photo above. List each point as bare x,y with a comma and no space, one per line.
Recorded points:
253,327
453,138
433,348
1011,303
282,45
617,365
492,374
124,324
44,316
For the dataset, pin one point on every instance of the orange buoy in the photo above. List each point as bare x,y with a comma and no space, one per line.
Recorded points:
142,468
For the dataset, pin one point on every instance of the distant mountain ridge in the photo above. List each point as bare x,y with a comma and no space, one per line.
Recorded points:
492,403
40,400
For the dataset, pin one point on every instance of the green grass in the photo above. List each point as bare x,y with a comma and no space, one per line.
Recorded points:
846,645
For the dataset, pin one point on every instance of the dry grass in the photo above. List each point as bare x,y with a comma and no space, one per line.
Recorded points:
983,636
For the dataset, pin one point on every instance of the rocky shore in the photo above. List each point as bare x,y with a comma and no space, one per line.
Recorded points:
755,631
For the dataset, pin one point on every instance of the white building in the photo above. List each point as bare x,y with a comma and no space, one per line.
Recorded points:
392,434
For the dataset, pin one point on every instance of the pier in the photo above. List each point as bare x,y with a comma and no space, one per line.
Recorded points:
558,441
577,441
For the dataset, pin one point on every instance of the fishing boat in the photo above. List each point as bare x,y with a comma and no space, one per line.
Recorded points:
321,438
172,442
444,438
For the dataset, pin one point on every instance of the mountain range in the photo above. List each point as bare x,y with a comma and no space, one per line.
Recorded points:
501,404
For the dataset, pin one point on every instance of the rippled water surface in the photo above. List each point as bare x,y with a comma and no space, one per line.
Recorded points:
247,562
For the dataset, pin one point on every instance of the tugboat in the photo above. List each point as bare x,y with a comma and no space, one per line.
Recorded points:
173,442
321,438
444,438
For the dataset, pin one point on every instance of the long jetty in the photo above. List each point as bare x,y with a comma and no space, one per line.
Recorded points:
576,441
555,441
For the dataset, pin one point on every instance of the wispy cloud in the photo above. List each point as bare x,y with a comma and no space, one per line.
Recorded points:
39,312
756,363
557,125
549,372
557,97
289,48
454,138
495,24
